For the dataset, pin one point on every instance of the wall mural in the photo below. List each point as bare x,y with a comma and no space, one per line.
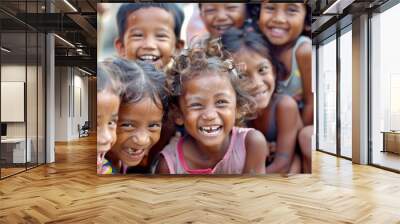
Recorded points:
204,88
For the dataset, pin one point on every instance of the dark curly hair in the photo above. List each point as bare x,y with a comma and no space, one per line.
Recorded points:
207,56
233,40
140,80
107,78
254,12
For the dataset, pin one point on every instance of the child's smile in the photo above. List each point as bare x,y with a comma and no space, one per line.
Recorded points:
211,131
134,154
149,58
260,74
149,36
277,32
139,129
219,17
282,23
208,107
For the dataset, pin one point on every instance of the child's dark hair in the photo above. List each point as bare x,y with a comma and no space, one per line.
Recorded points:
107,79
235,39
141,80
254,12
201,58
127,8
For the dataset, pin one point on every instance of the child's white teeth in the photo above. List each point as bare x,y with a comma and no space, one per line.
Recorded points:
134,151
261,93
148,57
279,31
223,27
210,129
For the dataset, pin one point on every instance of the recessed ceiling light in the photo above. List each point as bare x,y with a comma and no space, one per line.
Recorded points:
70,5
337,7
86,72
5,49
64,40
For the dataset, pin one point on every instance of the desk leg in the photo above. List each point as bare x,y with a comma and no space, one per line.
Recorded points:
384,143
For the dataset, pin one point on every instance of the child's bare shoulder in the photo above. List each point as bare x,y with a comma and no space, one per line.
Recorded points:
304,51
286,103
256,152
255,141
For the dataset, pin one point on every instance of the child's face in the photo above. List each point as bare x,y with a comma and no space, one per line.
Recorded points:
260,73
139,128
107,117
282,23
149,36
208,107
219,17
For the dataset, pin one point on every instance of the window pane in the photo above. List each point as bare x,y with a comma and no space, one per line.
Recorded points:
385,83
346,94
327,96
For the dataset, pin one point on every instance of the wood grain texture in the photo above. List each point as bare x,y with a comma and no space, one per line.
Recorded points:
69,191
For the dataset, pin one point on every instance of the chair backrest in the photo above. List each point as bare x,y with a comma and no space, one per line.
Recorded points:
86,125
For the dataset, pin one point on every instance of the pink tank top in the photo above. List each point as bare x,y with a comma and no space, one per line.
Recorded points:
232,163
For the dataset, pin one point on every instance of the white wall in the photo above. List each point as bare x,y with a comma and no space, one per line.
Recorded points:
80,97
70,83
61,103
33,126
13,73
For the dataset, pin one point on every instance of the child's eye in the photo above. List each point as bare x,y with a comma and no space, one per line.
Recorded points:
155,126
292,9
112,124
232,7
126,126
263,70
162,36
210,10
137,35
269,7
222,102
195,106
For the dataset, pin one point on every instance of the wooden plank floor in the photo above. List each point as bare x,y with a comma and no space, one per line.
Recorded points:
70,192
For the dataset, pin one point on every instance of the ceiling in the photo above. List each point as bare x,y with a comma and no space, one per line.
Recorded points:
329,14
33,17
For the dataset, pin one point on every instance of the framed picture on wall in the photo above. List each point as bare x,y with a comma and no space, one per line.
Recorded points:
227,100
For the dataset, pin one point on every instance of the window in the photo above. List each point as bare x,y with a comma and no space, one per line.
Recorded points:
327,96
346,75
385,87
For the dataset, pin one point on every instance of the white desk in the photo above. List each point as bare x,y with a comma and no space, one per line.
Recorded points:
18,154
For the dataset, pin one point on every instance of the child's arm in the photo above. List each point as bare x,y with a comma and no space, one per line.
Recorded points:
256,153
162,167
303,56
288,123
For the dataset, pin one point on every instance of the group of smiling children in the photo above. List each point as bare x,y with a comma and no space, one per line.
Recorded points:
237,101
